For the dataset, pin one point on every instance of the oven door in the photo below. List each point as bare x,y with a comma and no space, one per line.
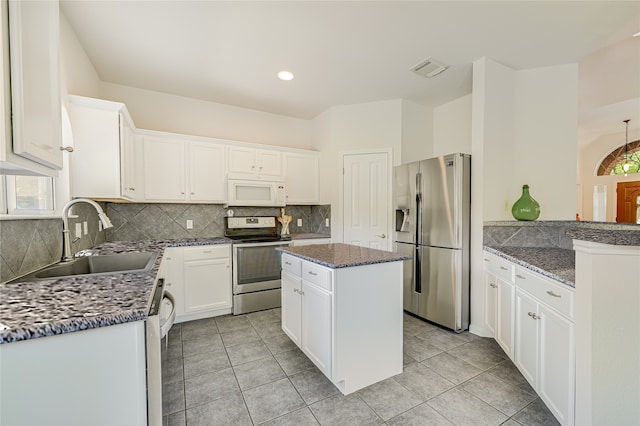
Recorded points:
256,266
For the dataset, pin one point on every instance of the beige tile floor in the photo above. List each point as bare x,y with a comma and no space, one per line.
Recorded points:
244,370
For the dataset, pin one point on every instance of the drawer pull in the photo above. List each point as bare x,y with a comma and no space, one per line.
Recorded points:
493,285
504,268
552,294
534,316
487,260
287,263
521,277
206,251
313,273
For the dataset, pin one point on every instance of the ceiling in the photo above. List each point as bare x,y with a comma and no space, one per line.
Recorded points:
341,52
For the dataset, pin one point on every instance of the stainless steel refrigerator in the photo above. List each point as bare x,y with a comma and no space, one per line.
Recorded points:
432,201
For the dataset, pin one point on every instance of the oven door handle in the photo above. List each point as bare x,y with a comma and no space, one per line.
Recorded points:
166,326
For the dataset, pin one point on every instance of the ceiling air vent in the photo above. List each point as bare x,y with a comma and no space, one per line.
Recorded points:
429,68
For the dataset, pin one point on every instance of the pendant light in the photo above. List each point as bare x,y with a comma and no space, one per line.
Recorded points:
628,161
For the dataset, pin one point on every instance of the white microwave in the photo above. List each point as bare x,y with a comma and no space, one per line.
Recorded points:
245,192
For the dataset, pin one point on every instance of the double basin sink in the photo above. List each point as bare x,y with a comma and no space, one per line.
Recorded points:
95,265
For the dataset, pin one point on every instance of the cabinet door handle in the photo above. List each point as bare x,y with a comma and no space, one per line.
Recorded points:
521,277
287,263
493,285
132,189
301,293
534,316
382,236
66,148
552,294
295,290
206,251
504,268
312,273
487,260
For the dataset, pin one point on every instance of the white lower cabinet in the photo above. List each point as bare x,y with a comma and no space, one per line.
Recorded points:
88,377
307,310
347,321
317,307
535,314
499,301
199,278
292,307
545,354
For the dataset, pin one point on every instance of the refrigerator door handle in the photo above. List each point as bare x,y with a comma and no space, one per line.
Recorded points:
418,208
417,264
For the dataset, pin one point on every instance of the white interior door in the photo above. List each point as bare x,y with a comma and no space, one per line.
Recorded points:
366,201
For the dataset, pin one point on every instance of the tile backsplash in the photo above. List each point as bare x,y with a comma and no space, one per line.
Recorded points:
29,244
138,221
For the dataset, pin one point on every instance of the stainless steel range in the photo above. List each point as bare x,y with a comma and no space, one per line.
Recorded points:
256,263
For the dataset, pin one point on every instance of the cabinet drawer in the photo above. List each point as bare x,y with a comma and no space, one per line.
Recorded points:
291,264
549,293
207,252
317,275
499,267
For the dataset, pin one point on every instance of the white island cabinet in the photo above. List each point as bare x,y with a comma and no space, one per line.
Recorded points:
342,305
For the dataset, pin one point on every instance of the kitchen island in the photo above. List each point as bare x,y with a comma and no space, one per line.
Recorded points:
342,305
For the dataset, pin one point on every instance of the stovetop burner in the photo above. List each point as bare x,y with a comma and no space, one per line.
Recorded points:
252,229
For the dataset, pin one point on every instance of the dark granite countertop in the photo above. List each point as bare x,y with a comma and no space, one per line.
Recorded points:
340,255
42,308
555,263
309,236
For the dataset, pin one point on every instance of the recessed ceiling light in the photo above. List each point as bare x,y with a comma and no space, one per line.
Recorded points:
285,75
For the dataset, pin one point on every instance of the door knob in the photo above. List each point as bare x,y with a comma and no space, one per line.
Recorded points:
382,236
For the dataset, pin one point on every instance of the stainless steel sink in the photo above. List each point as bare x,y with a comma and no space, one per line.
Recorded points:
96,265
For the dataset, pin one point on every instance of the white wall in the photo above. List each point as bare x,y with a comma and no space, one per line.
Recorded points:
452,127
417,132
78,76
546,137
361,127
590,158
492,133
170,113
524,130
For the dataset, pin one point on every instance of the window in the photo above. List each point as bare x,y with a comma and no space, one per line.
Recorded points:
32,195
612,163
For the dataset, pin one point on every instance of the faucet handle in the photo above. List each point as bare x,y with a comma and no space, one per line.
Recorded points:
83,253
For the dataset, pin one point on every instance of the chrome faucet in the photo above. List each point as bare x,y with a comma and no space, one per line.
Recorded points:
66,243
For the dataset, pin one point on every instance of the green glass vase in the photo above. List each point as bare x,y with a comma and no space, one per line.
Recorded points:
526,208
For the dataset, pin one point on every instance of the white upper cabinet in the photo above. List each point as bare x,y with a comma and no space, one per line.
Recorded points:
183,169
164,169
206,172
34,38
103,162
302,178
254,163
